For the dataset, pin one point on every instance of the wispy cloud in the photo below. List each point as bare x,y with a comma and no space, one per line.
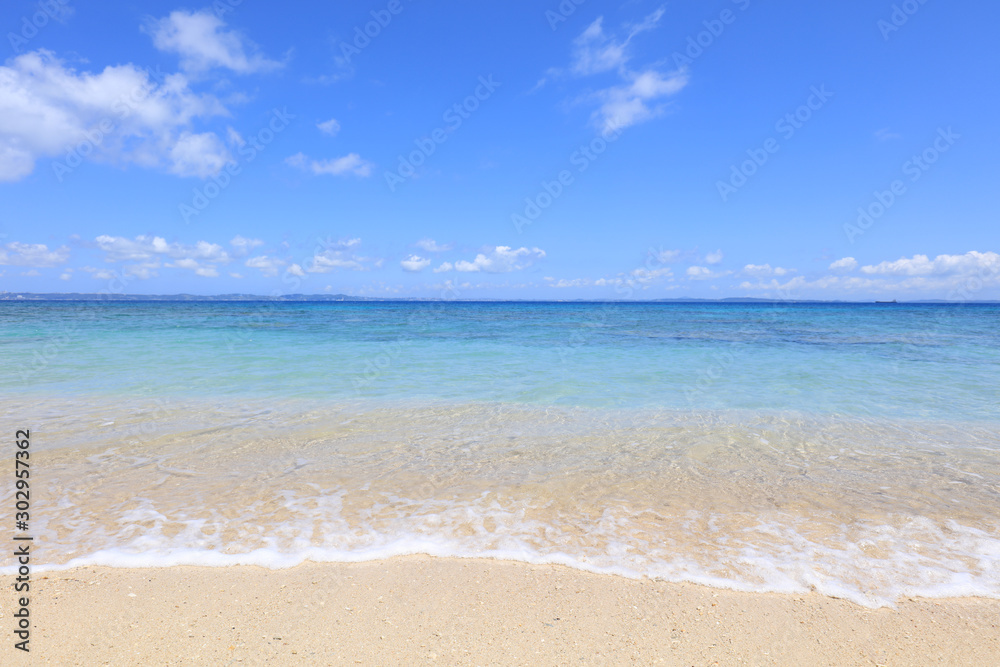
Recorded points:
242,246
763,270
594,51
269,266
32,254
348,164
638,97
119,248
330,127
499,259
340,254
630,103
430,245
203,43
922,265
662,256
564,282
205,271
885,134
946,276
704,273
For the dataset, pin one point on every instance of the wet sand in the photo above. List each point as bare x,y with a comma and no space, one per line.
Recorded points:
423,610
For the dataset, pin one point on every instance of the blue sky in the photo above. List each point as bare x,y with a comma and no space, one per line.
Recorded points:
531,150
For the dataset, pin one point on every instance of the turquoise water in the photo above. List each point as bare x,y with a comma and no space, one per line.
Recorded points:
851,449
894,361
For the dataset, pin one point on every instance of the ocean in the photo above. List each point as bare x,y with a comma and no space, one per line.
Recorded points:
849,449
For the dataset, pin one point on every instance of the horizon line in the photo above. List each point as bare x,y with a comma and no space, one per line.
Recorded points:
327,298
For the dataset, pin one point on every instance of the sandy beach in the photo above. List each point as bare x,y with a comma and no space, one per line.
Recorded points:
423,610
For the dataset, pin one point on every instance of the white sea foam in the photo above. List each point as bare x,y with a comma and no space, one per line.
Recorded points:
870,512
877,566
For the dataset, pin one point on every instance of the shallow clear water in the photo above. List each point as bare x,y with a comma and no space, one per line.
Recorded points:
850,449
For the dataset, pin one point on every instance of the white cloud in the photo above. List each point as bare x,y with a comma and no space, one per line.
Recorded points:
500,259
143,271
634,99
445,266
330,127
31,273
643,275
700,273
956,277
432,246
121,249
628,104
184,264
664,256
341,244
845,264
415,263
713,257
236,275
349,164
32,254
562,282
612,282
68,275
340,254
763,270
202,258
199,155
243,245
119,115
267,265
99,274
201,41
296,270
327,263
595,52
206,271
921,265
209,252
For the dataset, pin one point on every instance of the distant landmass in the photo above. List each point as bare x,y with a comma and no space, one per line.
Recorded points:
73,296
323,298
